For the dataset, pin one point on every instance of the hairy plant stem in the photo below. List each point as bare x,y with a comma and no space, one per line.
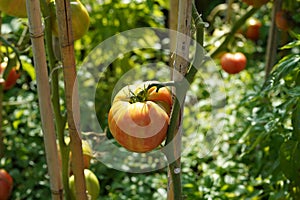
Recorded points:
238,24
60,120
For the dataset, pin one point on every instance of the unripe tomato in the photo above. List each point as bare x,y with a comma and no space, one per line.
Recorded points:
16,8
92,185
253,29
282,20
139,117
256,3
11,78
6,185
233,63
79,16
86,151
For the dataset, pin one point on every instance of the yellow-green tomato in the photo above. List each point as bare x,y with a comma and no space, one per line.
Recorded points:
79,16
92,185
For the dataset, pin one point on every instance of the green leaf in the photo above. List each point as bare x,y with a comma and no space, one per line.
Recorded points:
289,160
291,45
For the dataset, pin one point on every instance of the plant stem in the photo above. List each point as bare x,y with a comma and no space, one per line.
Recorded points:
39,56
63,13
60,120
232,32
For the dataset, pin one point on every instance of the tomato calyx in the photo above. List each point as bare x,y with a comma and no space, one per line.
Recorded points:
139,97
143,94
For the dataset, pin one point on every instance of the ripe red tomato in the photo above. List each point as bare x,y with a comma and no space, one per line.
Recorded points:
233,63
253,27
92,185
11,78
282,20
139,118
6,185
256,3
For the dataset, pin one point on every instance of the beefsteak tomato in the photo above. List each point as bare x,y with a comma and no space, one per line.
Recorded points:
139,116
233,63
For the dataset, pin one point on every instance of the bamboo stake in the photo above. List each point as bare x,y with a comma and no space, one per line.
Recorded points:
173,23
63,12
181,64
39,56
272,40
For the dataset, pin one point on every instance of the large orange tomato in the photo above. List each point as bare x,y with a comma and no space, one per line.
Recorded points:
139,116
6,185
233,63
11,78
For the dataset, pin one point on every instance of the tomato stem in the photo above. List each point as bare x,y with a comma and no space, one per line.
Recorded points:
232,32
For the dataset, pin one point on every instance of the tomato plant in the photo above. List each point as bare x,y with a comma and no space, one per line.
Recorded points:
11,78
92,185
139,117
6,184
233,63
253,29
256,3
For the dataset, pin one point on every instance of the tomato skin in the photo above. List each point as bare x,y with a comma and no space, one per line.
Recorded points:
256,3
139,126
6,185
11,78
253,29
233,63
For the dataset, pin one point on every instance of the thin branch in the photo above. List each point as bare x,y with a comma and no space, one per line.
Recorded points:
39,56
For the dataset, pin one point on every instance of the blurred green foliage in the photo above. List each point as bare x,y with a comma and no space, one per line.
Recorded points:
252,156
